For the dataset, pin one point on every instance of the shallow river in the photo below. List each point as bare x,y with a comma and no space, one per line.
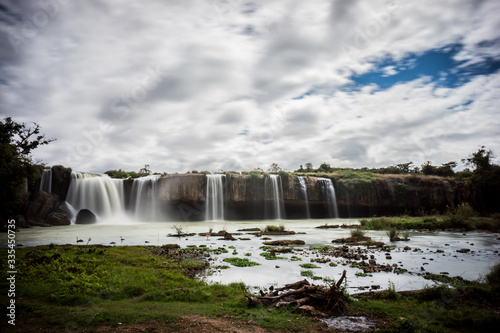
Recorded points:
433,252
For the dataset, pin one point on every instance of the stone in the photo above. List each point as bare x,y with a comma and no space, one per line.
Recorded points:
40,207
58,219
285,242
85,216
463,250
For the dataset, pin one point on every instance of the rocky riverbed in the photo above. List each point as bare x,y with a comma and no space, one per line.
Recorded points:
307,252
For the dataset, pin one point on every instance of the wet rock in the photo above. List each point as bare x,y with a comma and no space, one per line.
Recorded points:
351,324
171,246
285,242
463,250
85,216
58,219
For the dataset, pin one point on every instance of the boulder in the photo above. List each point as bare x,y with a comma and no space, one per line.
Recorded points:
85,216
40,207
58,219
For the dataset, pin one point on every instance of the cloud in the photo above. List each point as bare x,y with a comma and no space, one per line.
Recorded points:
212,85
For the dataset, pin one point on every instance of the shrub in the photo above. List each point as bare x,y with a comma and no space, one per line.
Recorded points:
357,232
393,233
274,228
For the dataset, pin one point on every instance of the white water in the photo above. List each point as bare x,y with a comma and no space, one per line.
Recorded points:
99,193
215,198
303,190
145,202
46,181
275,191
328,193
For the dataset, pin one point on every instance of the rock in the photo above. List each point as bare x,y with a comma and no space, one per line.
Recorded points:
463,250
171,246
61,178
85,216
285,242
58,219
407,248
40,207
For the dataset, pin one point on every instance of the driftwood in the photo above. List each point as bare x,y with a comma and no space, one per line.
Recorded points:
316,299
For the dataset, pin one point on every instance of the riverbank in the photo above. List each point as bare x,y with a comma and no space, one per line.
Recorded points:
103,288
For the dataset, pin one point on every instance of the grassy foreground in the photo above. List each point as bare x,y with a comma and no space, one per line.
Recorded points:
85,288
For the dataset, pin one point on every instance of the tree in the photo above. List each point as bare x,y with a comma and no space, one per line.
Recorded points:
145,170
274,167
325,167
309,166
17,169
480,160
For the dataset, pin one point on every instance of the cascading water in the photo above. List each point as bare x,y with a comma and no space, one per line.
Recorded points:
145,205
328,194
46,181
215,198
99,193
303,191
274,190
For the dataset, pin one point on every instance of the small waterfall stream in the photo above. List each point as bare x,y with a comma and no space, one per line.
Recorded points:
46,181
328,194
274,190
215,198
303,191
145,190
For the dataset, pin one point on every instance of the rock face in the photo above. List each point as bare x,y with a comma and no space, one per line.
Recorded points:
61,178
58,219
85,216
40,207
182,197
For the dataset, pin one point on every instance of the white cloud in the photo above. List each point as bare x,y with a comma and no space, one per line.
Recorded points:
211,84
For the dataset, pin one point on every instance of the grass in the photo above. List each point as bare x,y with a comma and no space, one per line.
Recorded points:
357,232
452,220
83,287
274,228
269,256
309,265
241,262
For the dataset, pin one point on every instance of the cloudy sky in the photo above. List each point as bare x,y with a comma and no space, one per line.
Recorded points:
238,85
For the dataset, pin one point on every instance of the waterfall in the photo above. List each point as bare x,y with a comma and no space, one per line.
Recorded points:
275,191
145,190
215,198
303,191
46,181
99,193
328,194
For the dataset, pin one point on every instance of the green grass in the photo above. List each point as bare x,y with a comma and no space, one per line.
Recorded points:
274,228
268,256
241,262
462,218
309,265
83,287
307,273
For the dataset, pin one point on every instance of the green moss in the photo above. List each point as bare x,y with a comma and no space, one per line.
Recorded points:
309,265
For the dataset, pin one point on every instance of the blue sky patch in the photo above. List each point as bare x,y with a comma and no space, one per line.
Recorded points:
437,64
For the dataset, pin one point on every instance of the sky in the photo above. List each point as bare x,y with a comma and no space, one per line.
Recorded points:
237,85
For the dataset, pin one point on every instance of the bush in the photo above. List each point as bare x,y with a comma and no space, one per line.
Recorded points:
357,232
274,228
493,277
393,233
